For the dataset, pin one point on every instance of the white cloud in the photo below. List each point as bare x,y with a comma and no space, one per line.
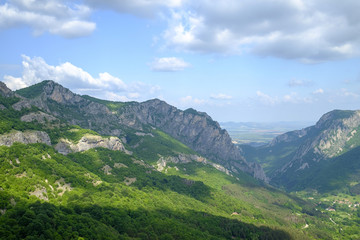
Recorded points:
299,83
13,82
266,99
292,98
143,8
318,91
53,16
189,100
346,93
104,86
305,30
168,64
221,96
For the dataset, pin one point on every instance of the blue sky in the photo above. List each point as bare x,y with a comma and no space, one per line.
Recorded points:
249,60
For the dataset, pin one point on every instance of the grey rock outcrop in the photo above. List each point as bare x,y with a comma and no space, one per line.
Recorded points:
38,117
26,137
88,142
195,129
23,104
5,91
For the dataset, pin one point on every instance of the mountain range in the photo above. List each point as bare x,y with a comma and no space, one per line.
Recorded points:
322,157
75,167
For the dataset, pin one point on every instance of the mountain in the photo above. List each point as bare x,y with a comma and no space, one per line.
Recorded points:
195,129
323,157
76,167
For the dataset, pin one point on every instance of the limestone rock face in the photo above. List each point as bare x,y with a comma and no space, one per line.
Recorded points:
88,142
5,91
301,153
195,129
38,117
26,137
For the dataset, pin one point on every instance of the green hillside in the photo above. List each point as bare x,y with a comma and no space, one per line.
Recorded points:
104,194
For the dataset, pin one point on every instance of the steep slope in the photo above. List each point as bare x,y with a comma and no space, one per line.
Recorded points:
295,159
196,130
101,191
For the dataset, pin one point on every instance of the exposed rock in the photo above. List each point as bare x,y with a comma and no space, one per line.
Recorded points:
41,193
141,163
88,142
13,202
62,186
144,134
24,174
5,91
21,105
128,181
2,107
38,116
161,164
181,158
107,169
120,165
195,129
26,137
327,139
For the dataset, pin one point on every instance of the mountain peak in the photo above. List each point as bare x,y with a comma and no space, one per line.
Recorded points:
51,90
4,90
336,115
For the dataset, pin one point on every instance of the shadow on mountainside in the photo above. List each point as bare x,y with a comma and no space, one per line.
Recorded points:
46,221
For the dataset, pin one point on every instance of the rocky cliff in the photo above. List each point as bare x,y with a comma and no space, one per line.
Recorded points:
88,142
293,157
331,136
5,91
195,129
25,137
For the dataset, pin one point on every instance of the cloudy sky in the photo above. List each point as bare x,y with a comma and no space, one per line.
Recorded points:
238,60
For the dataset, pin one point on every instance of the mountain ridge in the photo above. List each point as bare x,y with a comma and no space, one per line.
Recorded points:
195,129
296,156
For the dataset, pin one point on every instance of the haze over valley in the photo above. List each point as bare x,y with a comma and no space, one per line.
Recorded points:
179,119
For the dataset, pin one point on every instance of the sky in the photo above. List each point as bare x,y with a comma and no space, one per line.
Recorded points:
237,60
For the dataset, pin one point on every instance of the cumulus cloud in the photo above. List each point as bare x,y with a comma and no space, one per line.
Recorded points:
104,86
305,30
190,100
318,91
220,96
346,93
53,16
292,98
168,64
299,83
143,8
266,99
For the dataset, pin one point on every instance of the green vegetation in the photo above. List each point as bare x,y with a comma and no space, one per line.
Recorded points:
113,106
104,194
78,194
154,144
33,91
342,210
75,133
10,118
341,114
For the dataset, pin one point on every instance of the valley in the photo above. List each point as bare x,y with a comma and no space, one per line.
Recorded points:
78,167
259,133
